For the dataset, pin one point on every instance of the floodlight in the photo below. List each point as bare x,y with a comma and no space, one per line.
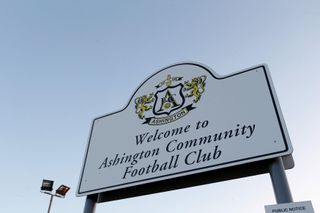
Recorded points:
47,185
62,190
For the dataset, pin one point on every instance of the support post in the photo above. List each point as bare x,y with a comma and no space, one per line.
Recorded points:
90,205
279,181
51,198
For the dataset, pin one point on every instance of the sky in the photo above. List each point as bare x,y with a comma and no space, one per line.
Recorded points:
65,62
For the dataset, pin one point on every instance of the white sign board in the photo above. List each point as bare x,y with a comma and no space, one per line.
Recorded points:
296,207
183,120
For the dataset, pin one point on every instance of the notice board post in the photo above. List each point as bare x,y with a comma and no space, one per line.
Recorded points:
279,181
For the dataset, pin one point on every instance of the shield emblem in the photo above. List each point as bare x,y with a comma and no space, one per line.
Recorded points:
168,100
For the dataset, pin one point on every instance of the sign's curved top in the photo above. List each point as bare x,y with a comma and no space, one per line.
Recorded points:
184,120
169,80
170,94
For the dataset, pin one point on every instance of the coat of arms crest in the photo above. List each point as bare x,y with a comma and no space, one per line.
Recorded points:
172,100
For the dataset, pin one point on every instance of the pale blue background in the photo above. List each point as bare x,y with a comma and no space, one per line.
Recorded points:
64,62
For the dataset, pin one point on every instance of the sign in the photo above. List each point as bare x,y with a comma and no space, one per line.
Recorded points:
185,120
296,207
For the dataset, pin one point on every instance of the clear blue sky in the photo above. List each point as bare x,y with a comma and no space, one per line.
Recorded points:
65,62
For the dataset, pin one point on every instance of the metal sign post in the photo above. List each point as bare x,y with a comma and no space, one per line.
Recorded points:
90,205
279,181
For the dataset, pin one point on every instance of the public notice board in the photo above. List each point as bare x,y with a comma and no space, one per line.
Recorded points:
294,207
183,120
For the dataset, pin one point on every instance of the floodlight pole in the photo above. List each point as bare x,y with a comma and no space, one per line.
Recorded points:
90,205
279,181
46,188
51,198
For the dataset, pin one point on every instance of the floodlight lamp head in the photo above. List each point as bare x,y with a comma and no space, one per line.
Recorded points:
47,185
62,190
